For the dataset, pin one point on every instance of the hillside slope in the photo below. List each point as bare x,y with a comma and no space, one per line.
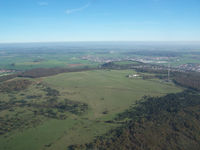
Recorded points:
166,123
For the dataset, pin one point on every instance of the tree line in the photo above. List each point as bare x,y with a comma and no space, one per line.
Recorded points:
169,122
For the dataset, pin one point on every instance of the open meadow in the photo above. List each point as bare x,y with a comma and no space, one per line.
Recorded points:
71,108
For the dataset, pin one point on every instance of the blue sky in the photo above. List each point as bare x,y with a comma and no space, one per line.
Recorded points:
99,20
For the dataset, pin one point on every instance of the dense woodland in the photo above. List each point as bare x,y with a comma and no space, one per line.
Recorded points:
169,122
44,72
189,80
114,65
14,85
7,77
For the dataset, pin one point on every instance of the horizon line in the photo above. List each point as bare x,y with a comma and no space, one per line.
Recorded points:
153,41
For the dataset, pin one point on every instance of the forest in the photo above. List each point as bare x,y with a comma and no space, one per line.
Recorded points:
169,122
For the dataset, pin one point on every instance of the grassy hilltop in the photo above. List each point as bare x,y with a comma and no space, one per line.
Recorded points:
69,108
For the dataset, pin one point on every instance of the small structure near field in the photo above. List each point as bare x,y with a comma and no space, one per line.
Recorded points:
132,75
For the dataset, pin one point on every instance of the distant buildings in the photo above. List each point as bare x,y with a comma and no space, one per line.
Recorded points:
190,67
147,60
2,71
133,76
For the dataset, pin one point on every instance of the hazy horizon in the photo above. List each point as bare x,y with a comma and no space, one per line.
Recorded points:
102,46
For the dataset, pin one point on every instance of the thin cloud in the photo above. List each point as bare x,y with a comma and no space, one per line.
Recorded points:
43,3
70,11
140,23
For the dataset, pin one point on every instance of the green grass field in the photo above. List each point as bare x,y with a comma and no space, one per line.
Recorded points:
30,61
107,93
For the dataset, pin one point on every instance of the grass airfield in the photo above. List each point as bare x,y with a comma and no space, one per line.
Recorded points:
107,93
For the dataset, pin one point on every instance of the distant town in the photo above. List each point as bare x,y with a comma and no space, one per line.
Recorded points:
161,61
